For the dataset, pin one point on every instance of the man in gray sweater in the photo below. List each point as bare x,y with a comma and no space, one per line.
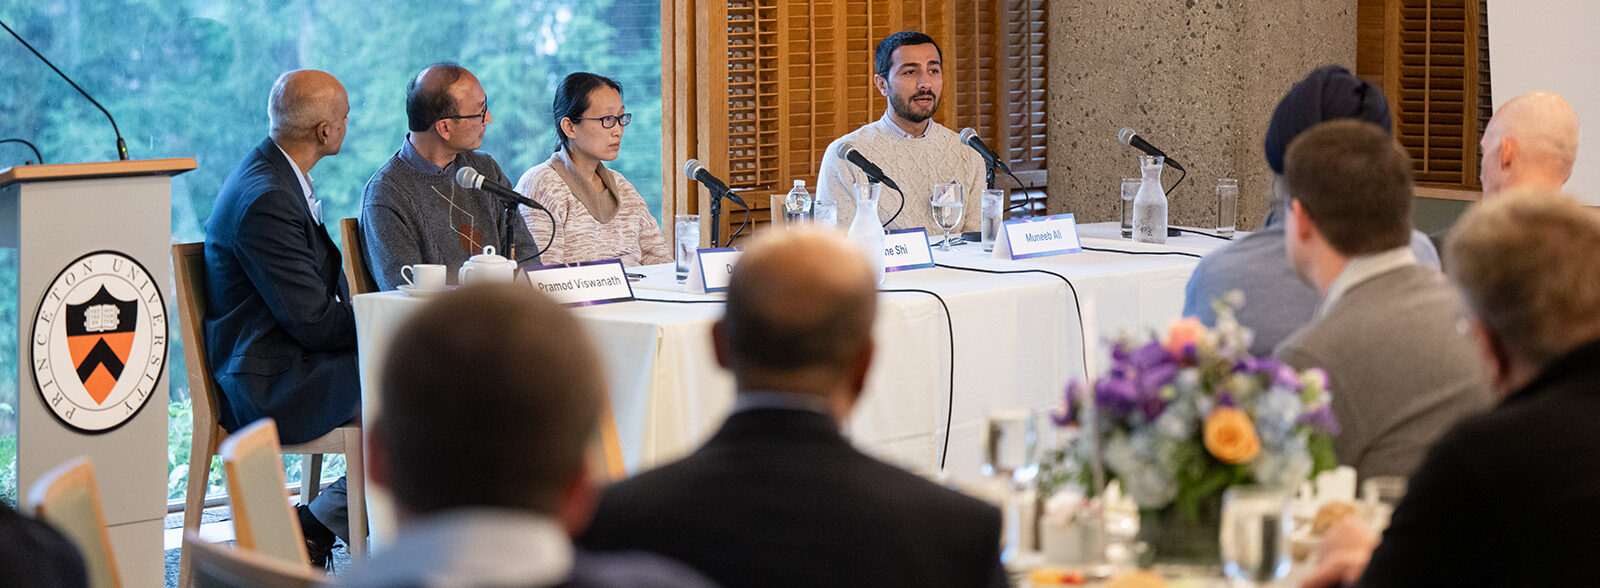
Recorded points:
412,211
1389,332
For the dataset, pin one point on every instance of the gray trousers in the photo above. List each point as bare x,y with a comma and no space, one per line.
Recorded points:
332,510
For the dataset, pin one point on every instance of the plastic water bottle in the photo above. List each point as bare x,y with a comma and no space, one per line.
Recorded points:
1150,204
825,211
797,205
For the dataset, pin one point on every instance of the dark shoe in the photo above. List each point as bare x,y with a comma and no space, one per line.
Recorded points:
319,540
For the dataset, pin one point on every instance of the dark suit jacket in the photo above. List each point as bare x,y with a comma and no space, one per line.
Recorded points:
280,334
32,553
779,498
1510,497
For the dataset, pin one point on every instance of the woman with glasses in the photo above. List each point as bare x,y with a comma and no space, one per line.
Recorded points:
598,214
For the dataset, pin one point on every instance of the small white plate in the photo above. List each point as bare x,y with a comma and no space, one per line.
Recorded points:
422,293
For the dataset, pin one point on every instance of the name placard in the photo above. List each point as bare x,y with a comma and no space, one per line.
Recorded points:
583,284
711,269
906,249
1037,237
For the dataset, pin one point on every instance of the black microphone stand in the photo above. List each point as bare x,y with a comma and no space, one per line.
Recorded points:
988,174
716,214
508,243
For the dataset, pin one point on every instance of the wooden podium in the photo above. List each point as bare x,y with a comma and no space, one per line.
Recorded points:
93,270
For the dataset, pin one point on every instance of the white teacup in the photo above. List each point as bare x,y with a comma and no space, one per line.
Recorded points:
424,276
488,268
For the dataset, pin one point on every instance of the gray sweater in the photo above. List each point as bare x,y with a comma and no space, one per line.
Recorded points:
1401,367
413,212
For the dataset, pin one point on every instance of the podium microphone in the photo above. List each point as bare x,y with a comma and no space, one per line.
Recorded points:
1132,139
970,138
122,147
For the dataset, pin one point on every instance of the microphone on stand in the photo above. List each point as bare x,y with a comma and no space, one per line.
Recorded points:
970,138
848,152
469,178
1132,139
122,147
699,173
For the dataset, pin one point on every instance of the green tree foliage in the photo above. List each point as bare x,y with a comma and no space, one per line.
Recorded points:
190,78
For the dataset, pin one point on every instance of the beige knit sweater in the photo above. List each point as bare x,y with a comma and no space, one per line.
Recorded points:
915,164
631,236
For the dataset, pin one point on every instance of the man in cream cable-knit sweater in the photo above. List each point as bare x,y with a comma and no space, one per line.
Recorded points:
914,151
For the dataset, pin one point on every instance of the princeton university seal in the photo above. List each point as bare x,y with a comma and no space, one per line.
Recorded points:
99,341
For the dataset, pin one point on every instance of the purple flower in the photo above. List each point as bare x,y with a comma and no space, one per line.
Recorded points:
1191,354
1321,419
1150,355
1068,415
1115,397
1225,399
1285,377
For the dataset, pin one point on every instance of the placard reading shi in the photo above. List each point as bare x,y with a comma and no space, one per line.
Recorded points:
1037,237
583,284
906,249
711,269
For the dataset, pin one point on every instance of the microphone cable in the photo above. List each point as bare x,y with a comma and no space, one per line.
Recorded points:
552,239
36,154
122,147
950,400
1182,173
1075,304
1126,252
896,210
742,225
1201,233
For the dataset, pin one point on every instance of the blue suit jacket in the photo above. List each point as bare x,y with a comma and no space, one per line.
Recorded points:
280,333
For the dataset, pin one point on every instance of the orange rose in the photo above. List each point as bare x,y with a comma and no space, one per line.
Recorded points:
1185,332
1230,437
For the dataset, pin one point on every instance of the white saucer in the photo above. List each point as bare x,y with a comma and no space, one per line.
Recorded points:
422,293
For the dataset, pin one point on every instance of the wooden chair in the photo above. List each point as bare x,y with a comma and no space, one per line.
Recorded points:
263,519
69,499
356,271
221,566
189,270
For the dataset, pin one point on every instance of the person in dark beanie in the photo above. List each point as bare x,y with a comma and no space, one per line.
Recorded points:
1275,301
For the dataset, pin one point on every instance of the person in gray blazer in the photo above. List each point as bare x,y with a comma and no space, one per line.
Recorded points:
1389,332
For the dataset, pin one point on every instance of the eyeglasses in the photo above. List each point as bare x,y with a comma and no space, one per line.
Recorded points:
480,116
611,121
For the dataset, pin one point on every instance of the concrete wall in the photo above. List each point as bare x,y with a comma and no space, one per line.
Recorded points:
1197,78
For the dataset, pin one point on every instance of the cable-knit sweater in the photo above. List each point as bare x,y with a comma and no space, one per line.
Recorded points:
631,235
916,164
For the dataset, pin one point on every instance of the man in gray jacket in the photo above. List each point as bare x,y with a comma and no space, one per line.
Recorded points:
1389,332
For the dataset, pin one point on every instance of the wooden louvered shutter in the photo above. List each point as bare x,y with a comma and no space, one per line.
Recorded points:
1431,58
1001,49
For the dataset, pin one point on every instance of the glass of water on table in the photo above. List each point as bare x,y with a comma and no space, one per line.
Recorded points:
686,237
1256,525
947,204
1130,188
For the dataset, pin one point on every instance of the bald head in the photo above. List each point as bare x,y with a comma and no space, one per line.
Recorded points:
301,101
1531,141
800,300
429,96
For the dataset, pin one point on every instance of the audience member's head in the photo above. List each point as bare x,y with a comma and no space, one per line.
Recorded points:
1526,264
1349,186
308,107
1328,93
1531,141
490,397
799,316
909,72
447,102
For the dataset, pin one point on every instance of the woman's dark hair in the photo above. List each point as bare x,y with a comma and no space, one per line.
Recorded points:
572,99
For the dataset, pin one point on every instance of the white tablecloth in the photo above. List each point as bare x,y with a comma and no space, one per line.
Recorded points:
1017,342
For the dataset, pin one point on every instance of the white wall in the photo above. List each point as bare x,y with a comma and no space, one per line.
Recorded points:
1552,45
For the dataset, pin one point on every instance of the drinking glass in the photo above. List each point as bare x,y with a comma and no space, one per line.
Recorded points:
1011,456
686,234
778,213
1227,206
1382,494
946,202
1256,526
993,208
1130,188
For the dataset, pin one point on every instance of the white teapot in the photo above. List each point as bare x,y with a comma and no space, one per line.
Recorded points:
488,268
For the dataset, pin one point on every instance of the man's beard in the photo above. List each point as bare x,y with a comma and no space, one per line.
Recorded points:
902,107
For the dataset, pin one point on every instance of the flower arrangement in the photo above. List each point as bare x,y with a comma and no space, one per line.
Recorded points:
1179,419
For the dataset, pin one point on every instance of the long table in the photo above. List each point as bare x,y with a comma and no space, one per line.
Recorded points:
1017,341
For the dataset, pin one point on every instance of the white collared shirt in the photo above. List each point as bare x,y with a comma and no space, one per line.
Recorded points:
471,547
312,204
888,123
1363,268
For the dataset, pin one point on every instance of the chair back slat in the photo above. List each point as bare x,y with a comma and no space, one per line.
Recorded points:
189,270
263,520
69,499
220,566
356,271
